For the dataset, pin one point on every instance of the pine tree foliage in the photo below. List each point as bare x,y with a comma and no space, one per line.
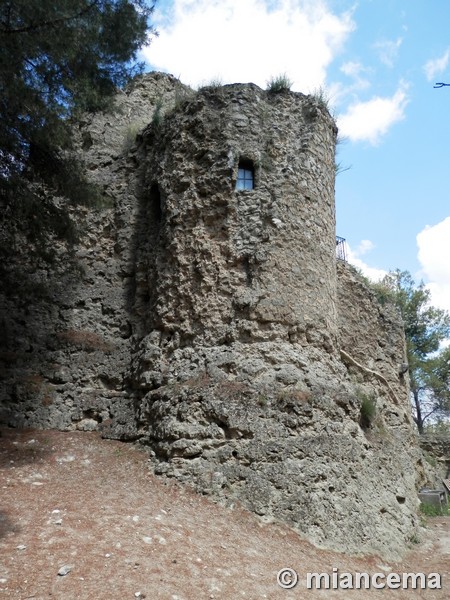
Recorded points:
57,60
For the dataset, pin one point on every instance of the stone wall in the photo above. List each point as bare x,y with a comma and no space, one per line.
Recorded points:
436,450
67,325
213,325
372,345
288,442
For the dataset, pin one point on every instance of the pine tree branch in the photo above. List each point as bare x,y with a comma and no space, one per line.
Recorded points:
43,24
430,413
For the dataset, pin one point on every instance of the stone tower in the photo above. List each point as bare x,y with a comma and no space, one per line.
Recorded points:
226,267
241,337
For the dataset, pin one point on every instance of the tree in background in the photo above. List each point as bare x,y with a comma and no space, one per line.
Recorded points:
426,328
57,60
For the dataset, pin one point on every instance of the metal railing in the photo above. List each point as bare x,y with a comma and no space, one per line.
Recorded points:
341,248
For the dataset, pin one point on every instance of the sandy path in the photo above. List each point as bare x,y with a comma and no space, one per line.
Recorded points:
75,500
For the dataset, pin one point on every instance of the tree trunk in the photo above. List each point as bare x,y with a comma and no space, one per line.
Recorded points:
419,417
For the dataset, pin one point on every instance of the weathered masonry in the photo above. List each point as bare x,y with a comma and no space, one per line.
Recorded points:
241,244
209,319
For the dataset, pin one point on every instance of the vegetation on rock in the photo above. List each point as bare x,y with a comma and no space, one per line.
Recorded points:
279,84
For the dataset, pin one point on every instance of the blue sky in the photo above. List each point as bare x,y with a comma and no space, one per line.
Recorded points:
378,61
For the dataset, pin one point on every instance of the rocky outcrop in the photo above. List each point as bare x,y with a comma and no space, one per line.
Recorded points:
214,324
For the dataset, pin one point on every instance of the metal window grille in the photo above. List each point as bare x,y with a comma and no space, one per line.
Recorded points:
245,180
341,249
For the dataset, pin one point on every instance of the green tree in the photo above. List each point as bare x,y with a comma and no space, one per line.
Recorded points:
435,387
57,60
426,327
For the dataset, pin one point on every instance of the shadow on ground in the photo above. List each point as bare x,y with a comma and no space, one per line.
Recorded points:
20,447
6,525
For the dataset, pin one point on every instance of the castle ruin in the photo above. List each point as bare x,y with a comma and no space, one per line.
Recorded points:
209,319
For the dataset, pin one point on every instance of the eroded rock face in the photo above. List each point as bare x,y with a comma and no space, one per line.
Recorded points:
214,325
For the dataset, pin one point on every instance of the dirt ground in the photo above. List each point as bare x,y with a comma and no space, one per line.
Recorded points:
91,508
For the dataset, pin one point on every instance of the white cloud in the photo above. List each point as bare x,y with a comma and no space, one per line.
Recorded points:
436,66
251,40
434,249
364,247
357,72
369,121
352,69
388,50
354,259
360,75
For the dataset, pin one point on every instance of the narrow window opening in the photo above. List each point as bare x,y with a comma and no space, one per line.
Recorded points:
246,175
155,203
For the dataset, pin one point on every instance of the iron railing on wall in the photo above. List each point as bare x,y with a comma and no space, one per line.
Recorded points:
341,248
